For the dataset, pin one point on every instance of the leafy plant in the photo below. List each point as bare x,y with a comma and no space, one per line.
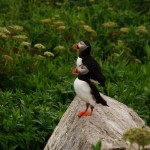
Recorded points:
97,146
139,136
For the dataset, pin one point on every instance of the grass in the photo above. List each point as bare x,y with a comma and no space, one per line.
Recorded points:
25,116
36,82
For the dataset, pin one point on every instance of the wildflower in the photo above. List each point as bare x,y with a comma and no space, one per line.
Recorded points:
138,136
46,21
142,29
18,55
93,36
57,16
58,4
39,57
61,27
39,46
82,22
82,8
110,24
137,60
91,1
4,30
113,33
23,37
7,57
48,54
120,43
3,35
58,23
59,49
16,27
124,30
47,3
88,28
27,44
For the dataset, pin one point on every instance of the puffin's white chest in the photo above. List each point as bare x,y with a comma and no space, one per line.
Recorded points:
83,91
79,62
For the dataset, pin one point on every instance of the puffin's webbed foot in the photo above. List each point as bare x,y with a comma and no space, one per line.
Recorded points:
83,112
87,114
90,114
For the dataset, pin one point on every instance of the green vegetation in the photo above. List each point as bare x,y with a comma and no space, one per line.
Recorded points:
97,146
36,59
138,136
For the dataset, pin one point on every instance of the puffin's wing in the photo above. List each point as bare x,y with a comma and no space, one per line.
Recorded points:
98,77
96,94
94,69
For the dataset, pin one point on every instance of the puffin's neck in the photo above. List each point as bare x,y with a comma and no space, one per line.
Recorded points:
85,77
85,53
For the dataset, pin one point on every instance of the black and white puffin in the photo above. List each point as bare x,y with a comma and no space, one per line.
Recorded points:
86,90
87,60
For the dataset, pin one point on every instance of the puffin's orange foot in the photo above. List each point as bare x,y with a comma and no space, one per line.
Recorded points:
81,113
85,114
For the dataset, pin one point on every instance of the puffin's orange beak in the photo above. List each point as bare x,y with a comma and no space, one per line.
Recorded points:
76,47
75,71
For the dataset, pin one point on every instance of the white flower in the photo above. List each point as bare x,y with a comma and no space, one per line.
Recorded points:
24,43
59,47
16,27
57,15
61,28
7,57
3,35
88,28
142,29
23,37
39,46
45,21
58,23
4,30
39,57
110,24
47,53
124,30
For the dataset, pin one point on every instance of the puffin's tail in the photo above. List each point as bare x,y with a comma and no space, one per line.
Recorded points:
97,95
102,101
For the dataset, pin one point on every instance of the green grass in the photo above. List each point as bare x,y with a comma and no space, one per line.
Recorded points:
35,89
24,116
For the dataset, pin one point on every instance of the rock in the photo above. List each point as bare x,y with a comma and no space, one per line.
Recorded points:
106,124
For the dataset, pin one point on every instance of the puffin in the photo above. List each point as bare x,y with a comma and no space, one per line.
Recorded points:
85,59
86,90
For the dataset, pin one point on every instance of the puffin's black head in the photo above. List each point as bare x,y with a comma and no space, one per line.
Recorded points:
82,46
80,70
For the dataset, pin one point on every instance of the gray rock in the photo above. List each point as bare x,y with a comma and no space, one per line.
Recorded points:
106,124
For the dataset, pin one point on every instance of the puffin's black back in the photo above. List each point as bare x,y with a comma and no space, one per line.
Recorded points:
94,69
92,65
